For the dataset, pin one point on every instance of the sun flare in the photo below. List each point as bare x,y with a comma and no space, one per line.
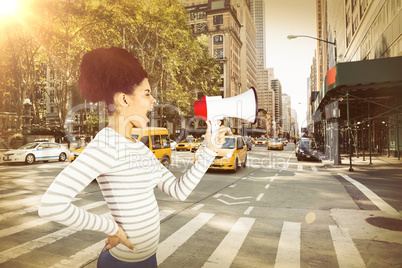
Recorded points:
7,6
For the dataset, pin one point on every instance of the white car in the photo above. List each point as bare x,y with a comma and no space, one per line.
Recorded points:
37,151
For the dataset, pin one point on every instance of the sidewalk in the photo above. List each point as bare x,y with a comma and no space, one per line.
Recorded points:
358,164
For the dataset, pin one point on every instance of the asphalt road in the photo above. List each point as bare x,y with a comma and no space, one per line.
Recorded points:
276,212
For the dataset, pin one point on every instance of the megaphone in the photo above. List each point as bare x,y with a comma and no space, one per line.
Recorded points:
215,108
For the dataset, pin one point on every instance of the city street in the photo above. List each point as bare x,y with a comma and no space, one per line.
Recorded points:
275,212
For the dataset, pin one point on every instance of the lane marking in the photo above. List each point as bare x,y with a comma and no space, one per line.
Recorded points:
173,242
248,210
288,255
267,186
259,197
228,249
197,207
381,204
346,252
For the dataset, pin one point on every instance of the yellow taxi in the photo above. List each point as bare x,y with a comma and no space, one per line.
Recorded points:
261,141
157,140
185,145
196,144
275,144
232,154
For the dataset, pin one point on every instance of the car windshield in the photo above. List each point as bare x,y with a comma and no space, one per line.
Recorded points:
304,144
31,145
230,143
187,141
275,141
261,139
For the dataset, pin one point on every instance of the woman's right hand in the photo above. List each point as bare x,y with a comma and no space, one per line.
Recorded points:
119,237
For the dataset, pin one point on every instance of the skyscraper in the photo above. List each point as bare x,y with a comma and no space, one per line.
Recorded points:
257,12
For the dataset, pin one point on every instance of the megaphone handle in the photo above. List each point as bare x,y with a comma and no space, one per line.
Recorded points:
214,132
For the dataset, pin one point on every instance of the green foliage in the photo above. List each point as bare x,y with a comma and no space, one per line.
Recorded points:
54,35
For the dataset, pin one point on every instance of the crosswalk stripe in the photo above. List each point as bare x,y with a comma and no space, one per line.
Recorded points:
168,246
313,168
13,194
12,205
19,250
31,224
288,255
13,214
299,167
346,252
227,250
83,256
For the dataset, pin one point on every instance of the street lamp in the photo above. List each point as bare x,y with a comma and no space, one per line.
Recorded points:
315,38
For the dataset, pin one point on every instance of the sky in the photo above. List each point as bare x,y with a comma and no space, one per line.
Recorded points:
291,58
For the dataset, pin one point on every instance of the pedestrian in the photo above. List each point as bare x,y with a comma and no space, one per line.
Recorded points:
126,170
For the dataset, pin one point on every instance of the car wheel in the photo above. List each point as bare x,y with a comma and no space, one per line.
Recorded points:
299,158
236,164
166,162
62,157
244,163
29,159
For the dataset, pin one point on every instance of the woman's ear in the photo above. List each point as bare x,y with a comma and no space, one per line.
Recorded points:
121,99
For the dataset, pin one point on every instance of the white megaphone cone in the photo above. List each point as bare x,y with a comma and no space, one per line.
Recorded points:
213,109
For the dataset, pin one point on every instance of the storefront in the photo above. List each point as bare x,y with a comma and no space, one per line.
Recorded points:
359,110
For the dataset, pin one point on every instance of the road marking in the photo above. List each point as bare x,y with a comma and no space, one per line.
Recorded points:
19,250
314,168
248,210
288,255
228,249
266,186
259,197
233,185
235,203
81,257
272,179
34,223
13,214
13,194
30,201
381,204
164,213
346,252
197,207
173,242
299,167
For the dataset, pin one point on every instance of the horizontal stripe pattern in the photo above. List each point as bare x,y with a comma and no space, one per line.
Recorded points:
127,174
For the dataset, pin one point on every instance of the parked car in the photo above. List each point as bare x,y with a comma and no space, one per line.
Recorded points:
275,144
185,145
261,141
232,154
305,151
157,140
248,142
37,151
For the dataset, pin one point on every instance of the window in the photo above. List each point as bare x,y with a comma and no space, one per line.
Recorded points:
156,142
145,140
218,19
218,53
218,39
165,141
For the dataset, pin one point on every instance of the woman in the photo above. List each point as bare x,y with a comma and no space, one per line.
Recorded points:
121,165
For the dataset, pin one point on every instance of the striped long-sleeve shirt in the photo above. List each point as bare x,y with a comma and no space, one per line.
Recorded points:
127,173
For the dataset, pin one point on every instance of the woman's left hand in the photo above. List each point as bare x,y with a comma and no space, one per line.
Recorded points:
119,237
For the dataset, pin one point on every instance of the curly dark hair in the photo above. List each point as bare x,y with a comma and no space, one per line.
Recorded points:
107,71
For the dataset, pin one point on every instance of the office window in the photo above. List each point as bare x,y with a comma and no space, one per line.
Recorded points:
218,19
218,39
218,53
